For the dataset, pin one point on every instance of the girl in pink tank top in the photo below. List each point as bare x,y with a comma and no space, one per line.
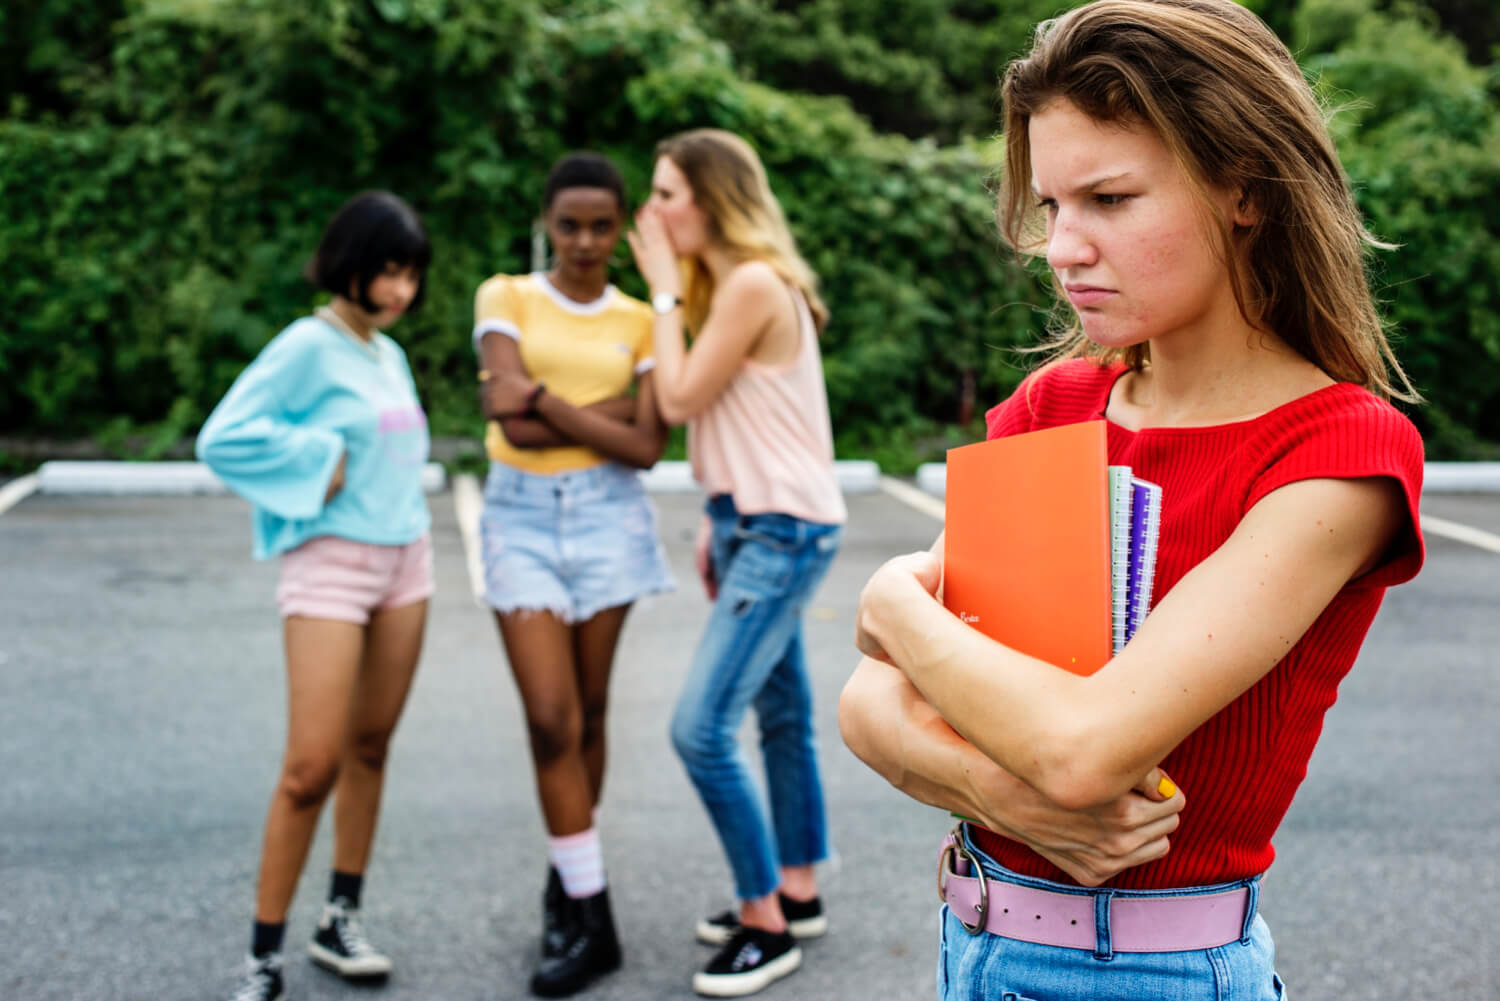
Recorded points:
714,247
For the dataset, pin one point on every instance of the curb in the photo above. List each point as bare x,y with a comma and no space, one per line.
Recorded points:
146,479
855,476
1437,478
174,479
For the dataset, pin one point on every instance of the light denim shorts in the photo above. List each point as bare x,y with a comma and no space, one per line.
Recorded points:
572,544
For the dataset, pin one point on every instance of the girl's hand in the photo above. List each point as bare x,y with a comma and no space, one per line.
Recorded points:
887,594
504,393
655,258
1096,845
703,558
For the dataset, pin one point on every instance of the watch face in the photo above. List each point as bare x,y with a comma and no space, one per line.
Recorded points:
664,302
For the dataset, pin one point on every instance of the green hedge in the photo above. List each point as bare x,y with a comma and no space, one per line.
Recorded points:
1420,135
156,236
161,197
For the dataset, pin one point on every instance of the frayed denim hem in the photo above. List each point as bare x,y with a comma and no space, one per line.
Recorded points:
522,609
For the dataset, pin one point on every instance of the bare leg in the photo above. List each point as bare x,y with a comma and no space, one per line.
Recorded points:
539,646
322,661
594,644
392,648
800,882
763,912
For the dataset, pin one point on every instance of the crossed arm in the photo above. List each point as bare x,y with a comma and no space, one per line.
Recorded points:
955,719
626,429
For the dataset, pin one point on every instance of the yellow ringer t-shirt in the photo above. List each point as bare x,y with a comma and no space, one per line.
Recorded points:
584,351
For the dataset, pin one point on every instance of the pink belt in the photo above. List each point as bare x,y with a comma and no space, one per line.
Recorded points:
1102,922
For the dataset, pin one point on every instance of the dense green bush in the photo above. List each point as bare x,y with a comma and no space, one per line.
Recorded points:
1420,134
914,67
162,187
155,237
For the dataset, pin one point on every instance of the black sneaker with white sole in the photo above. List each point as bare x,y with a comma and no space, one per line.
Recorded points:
340,945
804,919
750,961
262,980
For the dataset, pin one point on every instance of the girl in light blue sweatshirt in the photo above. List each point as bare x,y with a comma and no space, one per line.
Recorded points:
324,435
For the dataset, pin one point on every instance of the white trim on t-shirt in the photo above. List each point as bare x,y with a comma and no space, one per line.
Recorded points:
573,306
495,327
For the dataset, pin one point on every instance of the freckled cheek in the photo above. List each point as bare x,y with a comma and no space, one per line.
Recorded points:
1168,259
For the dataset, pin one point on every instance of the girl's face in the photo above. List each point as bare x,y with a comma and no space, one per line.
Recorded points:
1127,237
583,225
392,291
672,200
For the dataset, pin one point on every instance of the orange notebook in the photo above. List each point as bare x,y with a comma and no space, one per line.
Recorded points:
1026,545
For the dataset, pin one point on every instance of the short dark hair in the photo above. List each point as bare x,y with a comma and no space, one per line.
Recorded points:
584,170
371,230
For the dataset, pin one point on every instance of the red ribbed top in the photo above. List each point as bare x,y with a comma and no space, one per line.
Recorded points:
1241,768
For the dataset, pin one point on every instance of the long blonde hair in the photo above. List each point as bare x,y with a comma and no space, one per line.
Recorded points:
729,185
1231,104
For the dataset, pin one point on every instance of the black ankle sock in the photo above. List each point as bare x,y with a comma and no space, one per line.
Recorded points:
346,885
266,938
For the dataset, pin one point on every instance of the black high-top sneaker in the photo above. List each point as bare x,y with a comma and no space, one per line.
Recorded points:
340,945
591,949
558,914
262,980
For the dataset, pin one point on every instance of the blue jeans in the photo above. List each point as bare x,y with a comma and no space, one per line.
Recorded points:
768,566
993,968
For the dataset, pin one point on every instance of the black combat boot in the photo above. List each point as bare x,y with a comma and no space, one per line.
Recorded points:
557,915
590,950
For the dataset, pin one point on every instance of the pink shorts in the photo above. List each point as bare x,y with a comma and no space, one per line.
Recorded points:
334,578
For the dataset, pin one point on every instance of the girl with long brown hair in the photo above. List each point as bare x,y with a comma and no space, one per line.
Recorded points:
1173,166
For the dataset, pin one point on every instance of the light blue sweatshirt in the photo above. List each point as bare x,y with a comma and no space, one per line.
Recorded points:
311,395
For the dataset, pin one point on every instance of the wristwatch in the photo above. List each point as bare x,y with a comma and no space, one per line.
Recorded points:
664,302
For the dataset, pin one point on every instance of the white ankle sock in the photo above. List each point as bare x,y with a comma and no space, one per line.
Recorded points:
579,860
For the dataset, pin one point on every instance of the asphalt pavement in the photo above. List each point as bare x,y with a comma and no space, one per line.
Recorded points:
142,715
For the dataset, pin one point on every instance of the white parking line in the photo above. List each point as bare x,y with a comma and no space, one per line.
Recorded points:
1460,533
912,497
468,501
16,491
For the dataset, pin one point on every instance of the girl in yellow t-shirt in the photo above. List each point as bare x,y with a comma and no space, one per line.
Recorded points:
569,536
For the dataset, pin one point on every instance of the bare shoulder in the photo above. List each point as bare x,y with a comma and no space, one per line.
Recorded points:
753,275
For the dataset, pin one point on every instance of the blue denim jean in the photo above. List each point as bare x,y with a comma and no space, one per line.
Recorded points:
993,968
751,653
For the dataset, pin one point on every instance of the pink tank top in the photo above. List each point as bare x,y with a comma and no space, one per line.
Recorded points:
767,440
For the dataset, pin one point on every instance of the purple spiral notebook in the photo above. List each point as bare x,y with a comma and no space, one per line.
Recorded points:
1145,527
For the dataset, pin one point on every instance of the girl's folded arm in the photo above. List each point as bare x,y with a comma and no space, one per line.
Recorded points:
1082,741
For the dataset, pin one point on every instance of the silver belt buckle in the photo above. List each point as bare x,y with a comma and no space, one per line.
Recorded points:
954,846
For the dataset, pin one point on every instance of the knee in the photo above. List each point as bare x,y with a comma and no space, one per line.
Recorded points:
593,722
307,780
556,730
369,749
694,739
